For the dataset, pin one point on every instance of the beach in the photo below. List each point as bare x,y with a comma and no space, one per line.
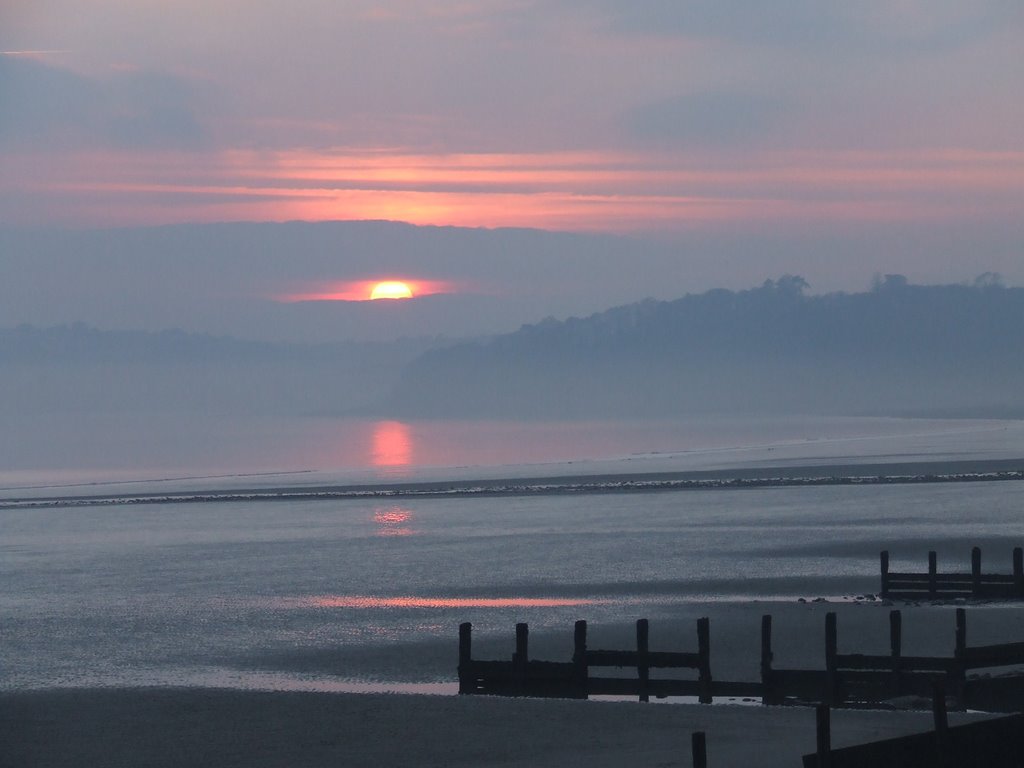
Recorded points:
228,728
212,726
259,624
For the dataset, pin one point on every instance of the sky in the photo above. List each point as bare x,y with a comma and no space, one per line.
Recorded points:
735,140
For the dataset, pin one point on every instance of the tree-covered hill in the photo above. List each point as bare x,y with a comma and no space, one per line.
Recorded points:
898,348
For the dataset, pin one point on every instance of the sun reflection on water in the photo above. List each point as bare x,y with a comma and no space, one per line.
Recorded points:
375,601
393,521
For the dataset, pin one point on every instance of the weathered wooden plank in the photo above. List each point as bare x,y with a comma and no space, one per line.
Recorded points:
806,684
896,579
549,670
489,668
1004,654
941,579
629,686
895,576
736,688
845,661
660,688
1003,693
879,676
660,659
996,743
671,660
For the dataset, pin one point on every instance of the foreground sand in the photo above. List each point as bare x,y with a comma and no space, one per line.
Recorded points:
224,728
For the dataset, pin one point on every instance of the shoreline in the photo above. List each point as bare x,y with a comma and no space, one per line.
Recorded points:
813,475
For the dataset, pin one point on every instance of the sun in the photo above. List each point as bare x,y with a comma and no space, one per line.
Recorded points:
391,289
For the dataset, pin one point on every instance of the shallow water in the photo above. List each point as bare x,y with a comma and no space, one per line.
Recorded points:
316,592
155,453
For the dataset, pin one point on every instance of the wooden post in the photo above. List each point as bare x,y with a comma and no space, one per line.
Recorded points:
642,670
942,753
767,688
1018,571
939,708
699,748
521,658
704,652
961,633
579,660
960,654
823,718
884,558
466,684
933,573
896,648
831,643
976,571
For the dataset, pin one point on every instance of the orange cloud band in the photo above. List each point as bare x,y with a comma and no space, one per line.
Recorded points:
588,191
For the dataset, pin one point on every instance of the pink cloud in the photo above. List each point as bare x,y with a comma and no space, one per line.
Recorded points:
588,191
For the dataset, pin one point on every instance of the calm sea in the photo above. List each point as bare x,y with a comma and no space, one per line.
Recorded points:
328,593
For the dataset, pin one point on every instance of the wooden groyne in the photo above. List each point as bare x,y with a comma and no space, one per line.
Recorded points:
848,679
934,585
996,743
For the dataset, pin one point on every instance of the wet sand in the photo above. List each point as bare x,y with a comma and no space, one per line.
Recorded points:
224,728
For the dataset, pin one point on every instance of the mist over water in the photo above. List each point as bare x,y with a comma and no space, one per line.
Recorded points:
128,447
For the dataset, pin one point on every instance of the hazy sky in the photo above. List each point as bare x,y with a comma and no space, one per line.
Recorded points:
831,138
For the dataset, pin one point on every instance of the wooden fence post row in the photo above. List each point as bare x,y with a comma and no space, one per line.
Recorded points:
846,678
933,584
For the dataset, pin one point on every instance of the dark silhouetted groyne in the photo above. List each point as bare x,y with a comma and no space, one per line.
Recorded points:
848,679
943,586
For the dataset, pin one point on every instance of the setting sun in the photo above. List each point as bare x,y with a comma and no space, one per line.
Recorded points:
368,290
391,289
